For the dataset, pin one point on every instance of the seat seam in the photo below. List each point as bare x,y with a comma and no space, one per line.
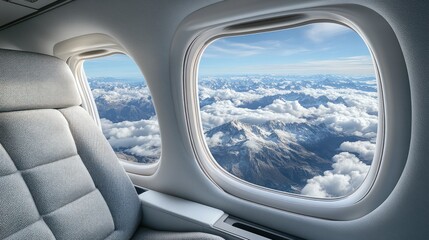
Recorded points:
43,164
86,194
74,141
17,171
110,234
28,189
31,224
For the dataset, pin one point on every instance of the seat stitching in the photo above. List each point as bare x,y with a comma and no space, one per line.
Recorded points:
41,165
10,174
61,110
28,189
114,230
86,194
22,229
27,170
8,158
77,154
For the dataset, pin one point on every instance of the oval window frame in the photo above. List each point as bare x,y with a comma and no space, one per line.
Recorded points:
343,208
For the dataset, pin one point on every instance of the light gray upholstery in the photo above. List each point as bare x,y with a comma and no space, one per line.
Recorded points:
59,177
24,85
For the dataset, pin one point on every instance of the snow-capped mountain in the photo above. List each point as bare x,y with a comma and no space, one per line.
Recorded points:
305,100
122,101
275,154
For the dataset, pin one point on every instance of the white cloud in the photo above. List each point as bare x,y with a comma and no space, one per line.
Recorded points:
365,149
215,140
293,51
321,31
245,46
214,51
225,111
355,65
121,93
225,48
228,94
348,120
253,144
355,119
291,107
140,138
347,175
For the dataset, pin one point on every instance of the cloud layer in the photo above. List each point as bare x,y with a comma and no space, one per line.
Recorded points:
347,106
347,175
138,138
354,116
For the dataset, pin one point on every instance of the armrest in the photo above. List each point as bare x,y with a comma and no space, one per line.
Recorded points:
165,212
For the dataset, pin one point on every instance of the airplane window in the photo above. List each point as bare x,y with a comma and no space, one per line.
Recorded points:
294,110
124,103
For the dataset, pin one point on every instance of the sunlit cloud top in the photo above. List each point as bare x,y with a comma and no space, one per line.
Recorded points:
319,48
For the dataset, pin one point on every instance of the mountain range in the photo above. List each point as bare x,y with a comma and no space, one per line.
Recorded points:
276,153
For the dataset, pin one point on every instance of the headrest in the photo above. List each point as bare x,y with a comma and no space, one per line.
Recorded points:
35,81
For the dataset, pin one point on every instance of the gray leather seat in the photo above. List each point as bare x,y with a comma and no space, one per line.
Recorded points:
59,177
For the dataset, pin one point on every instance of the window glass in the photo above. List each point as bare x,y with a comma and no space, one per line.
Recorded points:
124,103
294,110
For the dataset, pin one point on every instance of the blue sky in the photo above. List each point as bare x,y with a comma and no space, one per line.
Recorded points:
318,48
113,66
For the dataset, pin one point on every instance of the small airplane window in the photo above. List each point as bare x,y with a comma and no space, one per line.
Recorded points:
125,107
294,110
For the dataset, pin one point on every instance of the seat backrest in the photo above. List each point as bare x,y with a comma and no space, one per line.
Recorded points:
59,177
